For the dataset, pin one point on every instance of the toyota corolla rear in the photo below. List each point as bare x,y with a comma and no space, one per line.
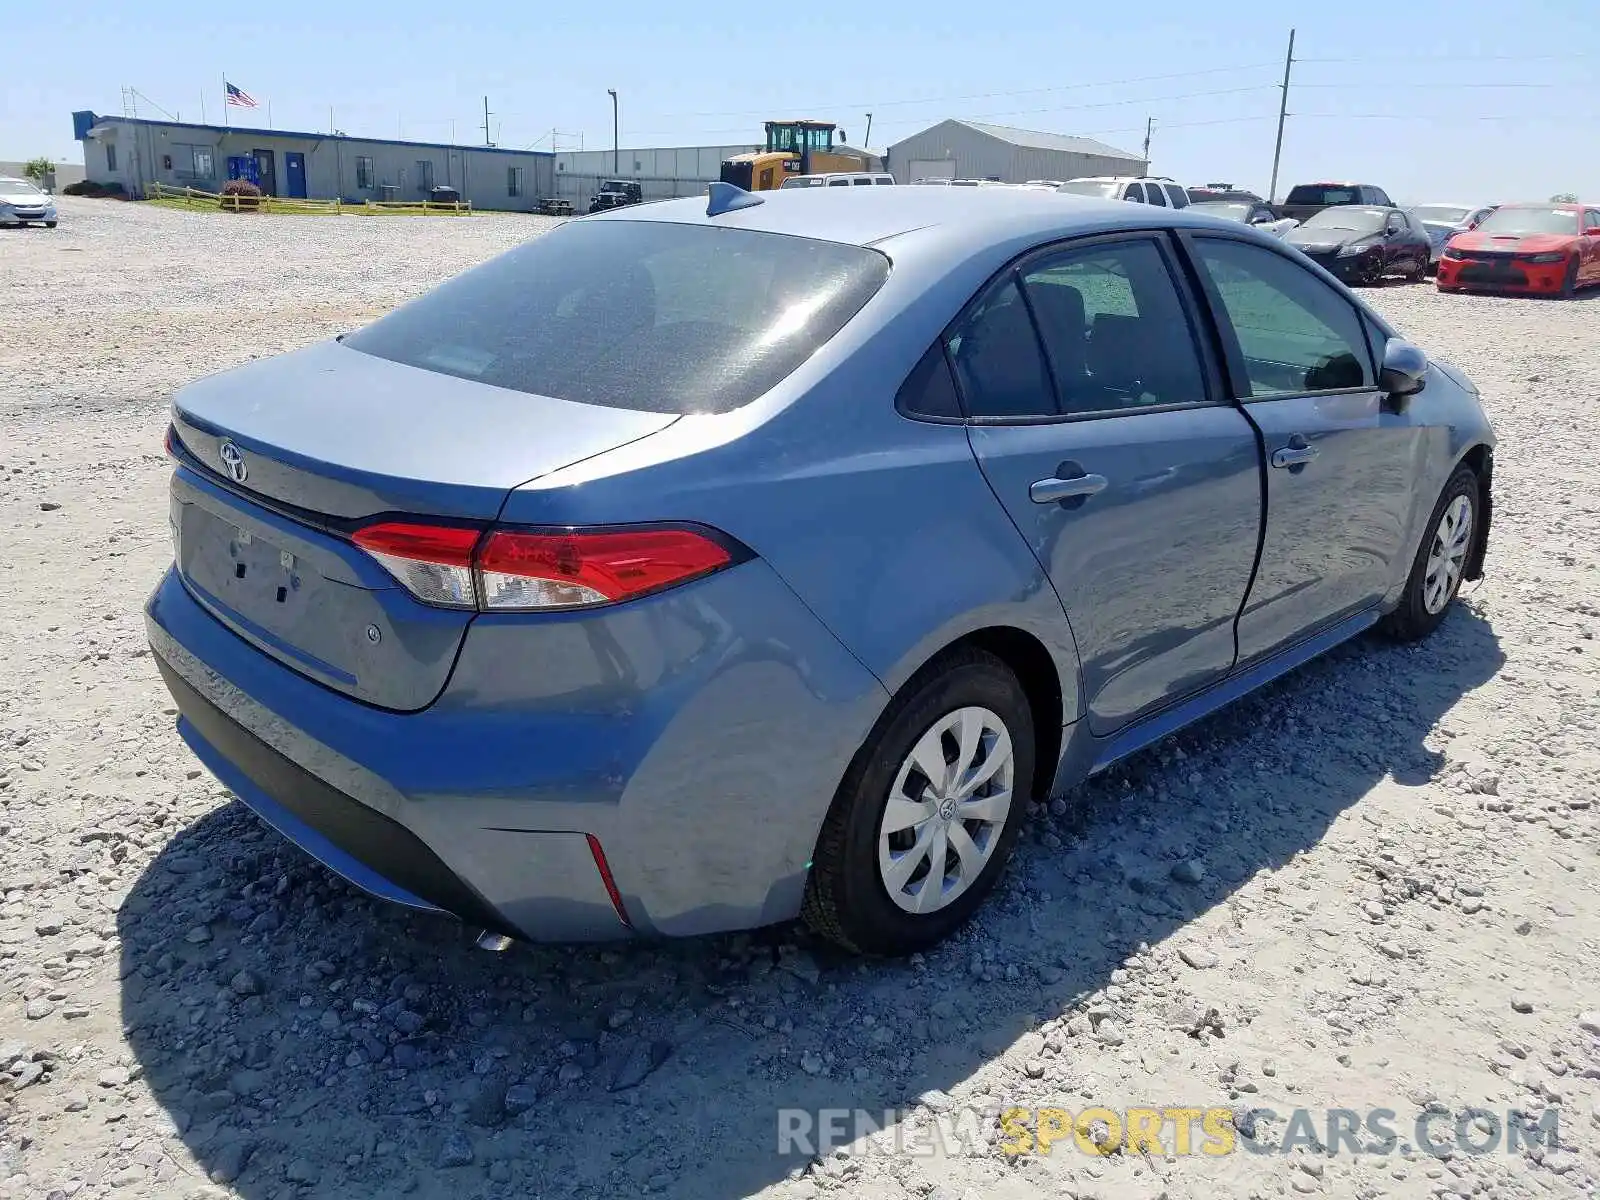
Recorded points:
1519,248
396,634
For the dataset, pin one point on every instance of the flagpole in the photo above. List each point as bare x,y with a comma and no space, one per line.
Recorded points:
224,98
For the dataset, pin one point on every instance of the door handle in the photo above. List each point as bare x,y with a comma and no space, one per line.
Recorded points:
1056,489
1296,454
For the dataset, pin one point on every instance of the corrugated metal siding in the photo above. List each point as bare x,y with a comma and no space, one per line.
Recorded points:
689,163
978,156
331,163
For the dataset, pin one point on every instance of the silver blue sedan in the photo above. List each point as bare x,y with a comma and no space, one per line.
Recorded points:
701,565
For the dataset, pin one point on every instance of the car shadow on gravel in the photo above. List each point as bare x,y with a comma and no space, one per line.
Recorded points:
305,1040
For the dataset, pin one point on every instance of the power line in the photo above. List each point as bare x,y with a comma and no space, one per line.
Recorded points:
1452,58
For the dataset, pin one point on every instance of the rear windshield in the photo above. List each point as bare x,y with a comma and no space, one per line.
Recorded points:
644,315
1441,214
1317,193
1531,219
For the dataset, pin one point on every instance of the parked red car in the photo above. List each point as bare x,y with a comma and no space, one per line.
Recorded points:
1538,249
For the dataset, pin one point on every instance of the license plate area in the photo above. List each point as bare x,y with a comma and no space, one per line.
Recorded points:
248,572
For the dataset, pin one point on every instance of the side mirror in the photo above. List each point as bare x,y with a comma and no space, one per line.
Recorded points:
1405,369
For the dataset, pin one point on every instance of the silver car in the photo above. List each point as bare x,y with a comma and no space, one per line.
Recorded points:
1253,213
21,203
703,564
1443,221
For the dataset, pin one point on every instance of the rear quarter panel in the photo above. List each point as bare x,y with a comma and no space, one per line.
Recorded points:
883,526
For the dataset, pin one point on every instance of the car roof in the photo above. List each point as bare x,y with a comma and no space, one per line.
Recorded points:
975,216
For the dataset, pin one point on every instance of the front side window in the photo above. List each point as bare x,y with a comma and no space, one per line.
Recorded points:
645,315
1157,196
1178,197
1114,328
997,358
1295,334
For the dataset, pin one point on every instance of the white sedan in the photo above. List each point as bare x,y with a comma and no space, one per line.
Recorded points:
22,203
1247,213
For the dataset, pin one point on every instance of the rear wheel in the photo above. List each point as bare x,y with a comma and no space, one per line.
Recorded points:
1441,560
929,811
1420,274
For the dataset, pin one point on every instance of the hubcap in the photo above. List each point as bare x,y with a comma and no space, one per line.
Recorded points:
946,810
1448,556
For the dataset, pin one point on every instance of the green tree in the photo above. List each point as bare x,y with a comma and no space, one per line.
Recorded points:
1564,198
37,168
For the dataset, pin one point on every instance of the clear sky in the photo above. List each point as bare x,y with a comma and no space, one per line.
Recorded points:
1469,99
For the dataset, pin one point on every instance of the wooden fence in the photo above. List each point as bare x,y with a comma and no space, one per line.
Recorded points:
195,199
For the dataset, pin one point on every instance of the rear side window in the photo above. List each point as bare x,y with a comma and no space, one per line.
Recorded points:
1177,196
929,391
644,315
1157,196
1114,329
998,361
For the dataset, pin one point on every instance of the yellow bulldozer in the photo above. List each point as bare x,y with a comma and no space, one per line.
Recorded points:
794,148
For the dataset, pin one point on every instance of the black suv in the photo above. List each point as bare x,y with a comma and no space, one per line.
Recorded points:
616,193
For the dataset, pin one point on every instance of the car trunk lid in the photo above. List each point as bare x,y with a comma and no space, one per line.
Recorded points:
283,459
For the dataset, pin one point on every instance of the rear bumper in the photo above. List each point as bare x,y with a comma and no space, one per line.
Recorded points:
702,762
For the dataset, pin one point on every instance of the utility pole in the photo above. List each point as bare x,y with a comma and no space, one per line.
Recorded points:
616,132
866,142
1283,111
1149,124
486,140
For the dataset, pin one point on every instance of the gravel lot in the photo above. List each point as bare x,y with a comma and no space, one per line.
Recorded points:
1374,885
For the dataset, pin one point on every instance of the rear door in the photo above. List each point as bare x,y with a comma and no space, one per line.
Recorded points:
1137,488
1341,467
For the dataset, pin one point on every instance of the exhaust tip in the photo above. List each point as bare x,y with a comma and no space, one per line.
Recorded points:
495,942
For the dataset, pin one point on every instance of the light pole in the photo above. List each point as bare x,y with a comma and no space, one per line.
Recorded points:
615,128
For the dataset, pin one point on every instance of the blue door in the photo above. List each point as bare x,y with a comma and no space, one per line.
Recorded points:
294,168
1137,486
1339,485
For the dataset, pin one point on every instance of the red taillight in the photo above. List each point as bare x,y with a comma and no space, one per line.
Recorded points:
170,442
605,878
434,562
510,570
563,570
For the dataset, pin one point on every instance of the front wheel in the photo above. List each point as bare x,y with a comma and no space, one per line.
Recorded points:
1569,281
1441,560
928,812
49,224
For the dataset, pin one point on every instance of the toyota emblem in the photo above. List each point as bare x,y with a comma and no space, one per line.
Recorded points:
233,461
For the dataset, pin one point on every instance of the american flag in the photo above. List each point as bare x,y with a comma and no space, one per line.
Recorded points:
237,97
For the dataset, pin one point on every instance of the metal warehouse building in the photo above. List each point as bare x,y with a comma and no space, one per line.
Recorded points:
969,150
661,173
135,152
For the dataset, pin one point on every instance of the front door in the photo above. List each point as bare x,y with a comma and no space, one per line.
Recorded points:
266,171
1137,488
1339,497
294,169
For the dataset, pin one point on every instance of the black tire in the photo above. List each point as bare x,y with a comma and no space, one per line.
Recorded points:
49,224
1412,621
1569,281
1420,275
846,900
